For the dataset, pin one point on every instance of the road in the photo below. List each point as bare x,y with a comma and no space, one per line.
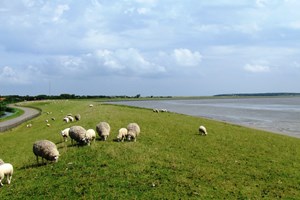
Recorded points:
28,114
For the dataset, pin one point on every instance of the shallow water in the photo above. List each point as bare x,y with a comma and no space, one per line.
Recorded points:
280,115
6,114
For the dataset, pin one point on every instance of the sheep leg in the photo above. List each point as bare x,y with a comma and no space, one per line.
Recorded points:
9,178
37,159
1,184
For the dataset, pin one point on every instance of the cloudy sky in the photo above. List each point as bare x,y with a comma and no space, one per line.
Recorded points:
149,47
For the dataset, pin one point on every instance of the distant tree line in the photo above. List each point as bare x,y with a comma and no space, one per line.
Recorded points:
259,94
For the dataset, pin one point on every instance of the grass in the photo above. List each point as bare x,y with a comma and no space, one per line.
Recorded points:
168,161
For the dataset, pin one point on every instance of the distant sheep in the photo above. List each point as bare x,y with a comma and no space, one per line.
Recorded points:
48,125
91,134
45,149
78,133
103,130
71,118
6,169
65,134
66,119
133,131
156,110
202,130
77,117
91,105
122,134
29,125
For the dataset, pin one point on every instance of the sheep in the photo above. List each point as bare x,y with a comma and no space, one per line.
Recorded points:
48,125
202,130
45,149
122,134
133,131
91,134
53,118
65,134
29,125
103,130
1,161
156,110
66,119
78,133
77,117
6,169
71,118
91,105
163,110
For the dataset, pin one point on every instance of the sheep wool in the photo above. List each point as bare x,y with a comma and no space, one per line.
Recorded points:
202,130
6,169
45,149
78,133
122,134
91,134
133,131
103,130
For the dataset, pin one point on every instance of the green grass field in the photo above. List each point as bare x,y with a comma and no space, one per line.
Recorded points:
170,160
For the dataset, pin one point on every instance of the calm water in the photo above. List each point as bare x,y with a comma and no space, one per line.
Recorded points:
281,115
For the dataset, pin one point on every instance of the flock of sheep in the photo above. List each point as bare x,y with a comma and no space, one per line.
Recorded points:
48,150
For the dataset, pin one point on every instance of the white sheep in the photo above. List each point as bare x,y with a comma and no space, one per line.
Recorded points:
202,130
91,134
6,169
65,134
133,131
48,125
45,149
91,105
103,130
156,110
122,134
71,118
66,119
77,117
78,133
29,125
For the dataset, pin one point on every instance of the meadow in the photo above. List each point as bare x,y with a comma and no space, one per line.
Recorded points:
170,160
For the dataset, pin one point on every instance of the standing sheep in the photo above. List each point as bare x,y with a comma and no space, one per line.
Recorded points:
103,130
65,134
78,133
122,134
77,117
45,149
133,131
6,169
91,134
202,130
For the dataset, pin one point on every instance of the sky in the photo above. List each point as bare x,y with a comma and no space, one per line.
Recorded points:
149,47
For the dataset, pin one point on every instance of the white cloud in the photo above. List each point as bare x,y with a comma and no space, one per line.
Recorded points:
256,68
15,76
186,57
59,11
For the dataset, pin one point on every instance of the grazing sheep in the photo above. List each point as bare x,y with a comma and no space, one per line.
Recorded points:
78,133
29,125
65,134
48,125
156,110
6,169
202,130
66,119
91,105
103,130
53,118
45,149
46,120
77,117
1,161
91,134
71,118
122,134
163,110
133,131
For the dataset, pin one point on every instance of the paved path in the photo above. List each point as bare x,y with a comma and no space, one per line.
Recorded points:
28,114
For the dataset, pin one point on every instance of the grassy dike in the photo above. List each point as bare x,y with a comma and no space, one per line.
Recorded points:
168,161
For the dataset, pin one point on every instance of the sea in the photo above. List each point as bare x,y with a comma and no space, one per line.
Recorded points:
276,114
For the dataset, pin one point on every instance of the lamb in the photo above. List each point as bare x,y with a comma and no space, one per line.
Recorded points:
78,133
122,134
6,169
45,149
65,134
91,135
202,130
133,131
103,130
